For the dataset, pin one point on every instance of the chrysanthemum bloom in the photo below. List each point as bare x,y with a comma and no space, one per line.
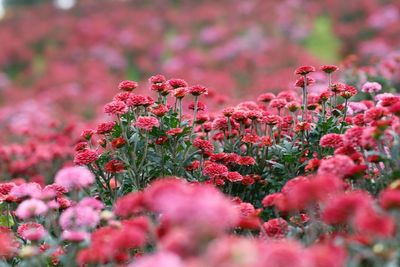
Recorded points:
328,68
87,134
8,244
85,157
74,178
114,166
180,92
81,146
105,127
390,199
234,177
369,138
272,120
395,109
31,231
212,169
266,98
165,258
137,101
358,107
228,112
331,140
375,114
25,190
312,165
353,136
250,138
324,96
146,123
348,92
118,142
30,208
116,108
177,83
79,217
174,131
300,82
369,222
371,87
203,209
302,127
127,85
130,204
159,110
388,100
287,95
340,208
278,103
198,90
293,106
158,83
276,228
203,145
337,88
339,165
246,161
304,70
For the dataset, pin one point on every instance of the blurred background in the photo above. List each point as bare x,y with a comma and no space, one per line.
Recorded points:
60,60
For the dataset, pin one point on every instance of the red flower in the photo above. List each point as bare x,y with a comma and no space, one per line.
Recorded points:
276,228
116,108
130,204
304,70
328,68
118,142
85,157
390,199
177,83
146,123
212,169
234,177
300,82
331,140
159,110
348,92
246,161
266,98
203,145
114,166
127,85
198,90
174,131
105,127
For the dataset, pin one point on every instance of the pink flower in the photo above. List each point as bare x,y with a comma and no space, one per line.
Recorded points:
331,140
33,190
164,259
116,108
75,236
31,231
201,208
371,87
127,85
146,123
198,90
276,228
338,165
30,208
74,178
85,157
79,217
304,70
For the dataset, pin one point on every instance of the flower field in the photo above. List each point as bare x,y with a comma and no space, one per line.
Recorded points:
200,134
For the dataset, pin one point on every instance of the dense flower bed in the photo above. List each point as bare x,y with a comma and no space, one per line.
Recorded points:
294,179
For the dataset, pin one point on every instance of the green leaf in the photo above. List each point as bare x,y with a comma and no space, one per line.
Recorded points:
6,220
